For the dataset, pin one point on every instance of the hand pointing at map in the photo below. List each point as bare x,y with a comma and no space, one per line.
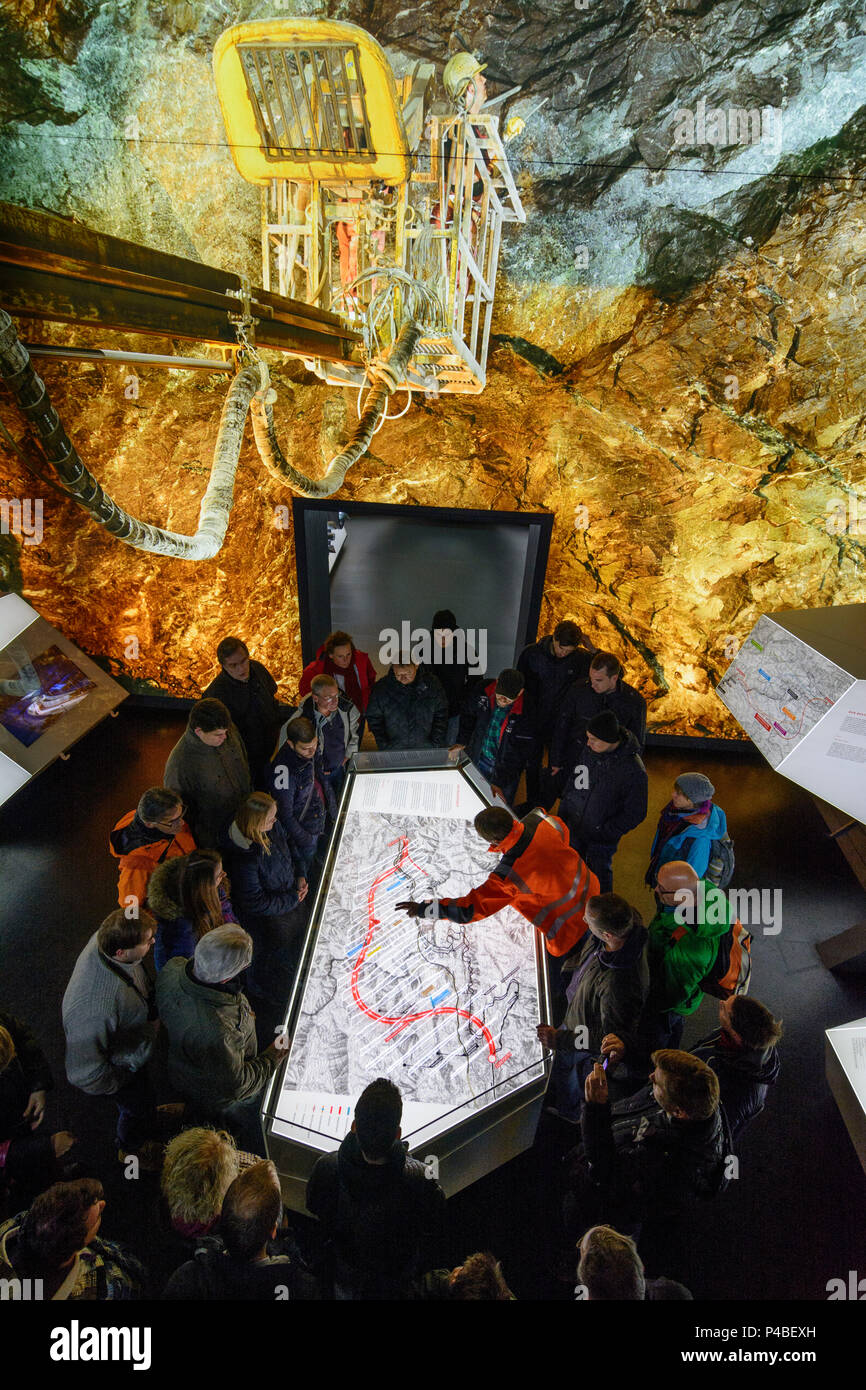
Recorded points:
413,909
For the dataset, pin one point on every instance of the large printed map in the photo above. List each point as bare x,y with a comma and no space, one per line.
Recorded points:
778,688
447,1012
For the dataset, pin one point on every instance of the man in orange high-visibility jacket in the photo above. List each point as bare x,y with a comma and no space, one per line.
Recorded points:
539,875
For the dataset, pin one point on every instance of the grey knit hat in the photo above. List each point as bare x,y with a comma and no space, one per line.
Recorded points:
222,953
695,786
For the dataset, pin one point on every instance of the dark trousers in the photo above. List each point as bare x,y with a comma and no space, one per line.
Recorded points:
277,943
30,1166
534,770
136,1111
558,985
666,1031
243,1120
597,856
566,1090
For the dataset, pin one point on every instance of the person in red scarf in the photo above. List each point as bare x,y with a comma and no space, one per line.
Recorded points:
353,671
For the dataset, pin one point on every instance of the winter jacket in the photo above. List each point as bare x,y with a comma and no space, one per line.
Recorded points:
140,848
681,954
102,1271
109,1035
175,933
515,735
547,678
356,681
378,1216
408,716
338,735
540,876
253,708
614,797
215,1276
581,703
263,885
693,843
607,992
304,799
213,1059
212,782
27,1072
745,1076
453,676
647,1164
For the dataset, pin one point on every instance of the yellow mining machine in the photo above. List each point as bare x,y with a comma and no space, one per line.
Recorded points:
382,213
377,203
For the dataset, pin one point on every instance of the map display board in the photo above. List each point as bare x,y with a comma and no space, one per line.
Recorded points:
447,1012
846,1073
779,688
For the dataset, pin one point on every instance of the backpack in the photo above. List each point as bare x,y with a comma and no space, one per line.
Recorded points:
731,971
720,869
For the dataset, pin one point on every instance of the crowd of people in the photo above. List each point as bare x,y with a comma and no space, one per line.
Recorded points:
191,974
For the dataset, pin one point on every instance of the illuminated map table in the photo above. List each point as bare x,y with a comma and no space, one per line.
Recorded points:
447,1012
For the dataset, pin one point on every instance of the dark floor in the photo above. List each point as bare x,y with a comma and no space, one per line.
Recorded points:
792,1221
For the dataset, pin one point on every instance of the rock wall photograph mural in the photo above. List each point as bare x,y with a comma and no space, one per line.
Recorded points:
674,366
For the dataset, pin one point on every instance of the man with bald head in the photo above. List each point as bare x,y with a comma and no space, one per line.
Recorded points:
682,947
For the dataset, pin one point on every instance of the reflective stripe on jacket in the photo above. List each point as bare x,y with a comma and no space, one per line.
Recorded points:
540,876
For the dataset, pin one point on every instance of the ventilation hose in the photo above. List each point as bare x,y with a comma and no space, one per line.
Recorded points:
29,392
385,375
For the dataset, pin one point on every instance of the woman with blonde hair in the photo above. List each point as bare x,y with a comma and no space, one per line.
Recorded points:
200,1165
267,894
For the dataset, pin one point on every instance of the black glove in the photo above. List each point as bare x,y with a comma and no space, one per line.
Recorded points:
413,909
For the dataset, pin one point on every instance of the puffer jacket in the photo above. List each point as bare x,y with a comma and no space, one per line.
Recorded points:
745,1076
357,681
175,933
263,885
408,716
648,1164
291,780
614,799
213,1059
140,848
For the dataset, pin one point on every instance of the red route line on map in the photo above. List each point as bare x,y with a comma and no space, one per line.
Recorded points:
403,1020
814,699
